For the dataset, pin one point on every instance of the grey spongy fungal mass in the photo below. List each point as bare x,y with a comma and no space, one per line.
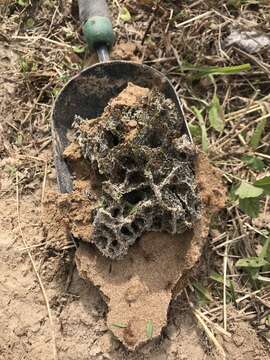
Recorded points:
145,170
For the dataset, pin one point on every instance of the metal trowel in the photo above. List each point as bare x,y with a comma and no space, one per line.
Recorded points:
88,93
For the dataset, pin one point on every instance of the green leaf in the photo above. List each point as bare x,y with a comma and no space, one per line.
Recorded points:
64,77
119,325
247,190
79,49
251,262
253,273
198,114
195,130
253,162
256,137
11,170
264,184
124,14
216,114
250,206
19,140
203,291
218,278
55,91
30,23
149,329
265,249
25,66
22,3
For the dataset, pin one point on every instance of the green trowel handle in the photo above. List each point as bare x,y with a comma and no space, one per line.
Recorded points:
97,26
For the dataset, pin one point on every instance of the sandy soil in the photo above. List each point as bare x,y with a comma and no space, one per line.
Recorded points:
78,309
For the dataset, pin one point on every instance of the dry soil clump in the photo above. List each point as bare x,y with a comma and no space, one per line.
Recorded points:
144,170
137,181
138,289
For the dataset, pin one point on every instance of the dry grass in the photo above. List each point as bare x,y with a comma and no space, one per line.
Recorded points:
43,39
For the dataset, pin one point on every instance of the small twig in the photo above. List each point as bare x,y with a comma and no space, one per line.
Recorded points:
266,206
216,326
265,67
35,103
51,24
150,23
4,37
194,4
208,332
35,270
169,22
160,60
195,18
225,262
264,302
227,242
210,335
45,144
30,247
263,155
232,134
238,301
44,186
117,3
34,38
256,230
179,62
31,158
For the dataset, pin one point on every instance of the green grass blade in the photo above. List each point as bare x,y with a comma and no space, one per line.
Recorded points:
201,71
198,114
256,137
119,325
149,329
203,291
233,293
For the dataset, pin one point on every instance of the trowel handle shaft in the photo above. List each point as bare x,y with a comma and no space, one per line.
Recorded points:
97,26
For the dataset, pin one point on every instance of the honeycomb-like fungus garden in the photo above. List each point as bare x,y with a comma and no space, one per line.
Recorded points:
144,167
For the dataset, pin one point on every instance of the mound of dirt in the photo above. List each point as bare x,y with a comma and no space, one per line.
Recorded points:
139,288
132,171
